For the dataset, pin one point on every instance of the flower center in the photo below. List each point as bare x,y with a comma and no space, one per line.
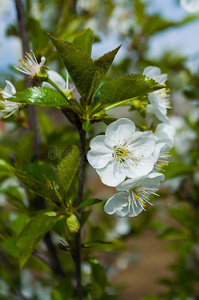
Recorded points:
120,152
139,196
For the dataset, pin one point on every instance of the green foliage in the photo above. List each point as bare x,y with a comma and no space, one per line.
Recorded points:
101,67
4,169
86,74
42,189
41,171
127,88
13,196
68,167
89,202
99,279
84,40
78,63
40,96
34,231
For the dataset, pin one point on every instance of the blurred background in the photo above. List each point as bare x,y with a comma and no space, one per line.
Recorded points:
155,255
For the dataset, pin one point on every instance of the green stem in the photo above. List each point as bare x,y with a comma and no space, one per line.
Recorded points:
121,103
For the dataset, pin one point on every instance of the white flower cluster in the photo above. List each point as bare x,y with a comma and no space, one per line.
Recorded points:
8,107
130,160
29,66
159,100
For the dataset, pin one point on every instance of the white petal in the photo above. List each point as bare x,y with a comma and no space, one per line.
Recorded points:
9,90
152,71
151,180
143,142
56,78
165,134
155,74
123,213
100,154
135,210
110,176
98,144
161,115
47,85
116,202
119,130
190,5
156,153
98,160
144,166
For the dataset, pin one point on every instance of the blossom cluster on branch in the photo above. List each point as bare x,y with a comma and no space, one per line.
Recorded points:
132,160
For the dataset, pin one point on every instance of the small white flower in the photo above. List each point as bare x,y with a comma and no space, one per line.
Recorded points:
8,106
190,5
60,82
133,196
29,65
160,101
57,79
122,152
155,74
164,137
165,134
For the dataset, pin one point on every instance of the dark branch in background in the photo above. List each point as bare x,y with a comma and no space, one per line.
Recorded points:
25,47
39,202
77,255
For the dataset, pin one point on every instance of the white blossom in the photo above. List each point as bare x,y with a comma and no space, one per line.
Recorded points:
164,137
155,74
191,6
63,85
133,196
8,107
159,100
29,65
122,152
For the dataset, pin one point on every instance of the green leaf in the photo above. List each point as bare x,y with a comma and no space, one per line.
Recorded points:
102,65
89,203
41,171
84,41
42,189
97,243
98,273
68,167
9,246
34,231
79,65
13,196
40,96
127,88
4,169
73,223
24,150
